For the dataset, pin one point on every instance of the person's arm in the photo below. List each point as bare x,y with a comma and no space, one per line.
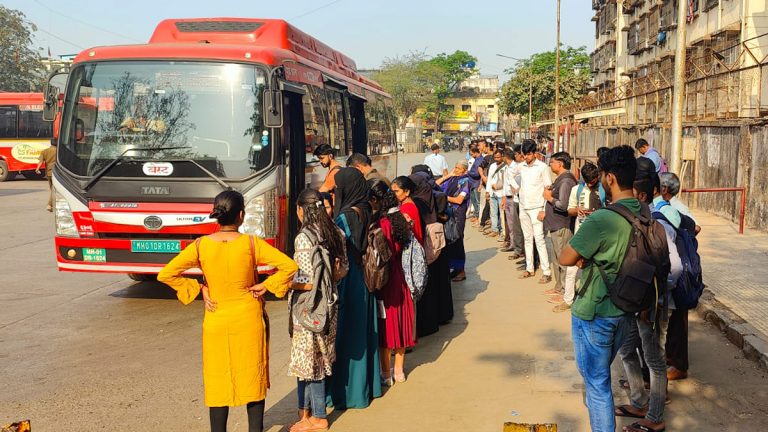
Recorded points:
186,288
279,282
573,201
459,199
330,182
40,161
569,257
584,244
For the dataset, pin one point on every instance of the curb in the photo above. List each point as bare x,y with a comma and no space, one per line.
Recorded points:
738,331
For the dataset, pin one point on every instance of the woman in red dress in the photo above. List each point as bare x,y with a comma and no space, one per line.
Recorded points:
397,322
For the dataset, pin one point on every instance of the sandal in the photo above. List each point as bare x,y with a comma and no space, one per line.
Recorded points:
622,411
306,426
639,427
526,274
459,277
545,280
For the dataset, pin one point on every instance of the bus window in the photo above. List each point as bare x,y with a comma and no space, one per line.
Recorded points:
8,122
338,135
31,125
315,114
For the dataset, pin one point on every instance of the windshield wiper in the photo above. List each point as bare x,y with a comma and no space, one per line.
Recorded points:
102,172
221,182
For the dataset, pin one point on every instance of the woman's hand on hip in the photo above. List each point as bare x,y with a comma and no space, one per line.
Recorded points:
210,305
258,290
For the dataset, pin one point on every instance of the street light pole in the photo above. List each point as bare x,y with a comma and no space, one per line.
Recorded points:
557,82
530,104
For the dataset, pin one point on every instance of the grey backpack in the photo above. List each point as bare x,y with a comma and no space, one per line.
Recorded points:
315,308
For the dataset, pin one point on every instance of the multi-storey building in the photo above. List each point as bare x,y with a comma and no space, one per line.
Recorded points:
726,91
474,107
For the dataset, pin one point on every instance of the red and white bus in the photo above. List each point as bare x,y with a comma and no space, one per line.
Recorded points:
23,134
151,133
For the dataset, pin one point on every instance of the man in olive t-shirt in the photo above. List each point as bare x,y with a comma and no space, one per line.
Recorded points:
48,157
598,327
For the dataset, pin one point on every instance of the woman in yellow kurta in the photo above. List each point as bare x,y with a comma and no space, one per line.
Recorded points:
235,340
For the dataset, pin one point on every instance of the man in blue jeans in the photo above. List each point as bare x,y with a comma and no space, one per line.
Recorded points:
598,326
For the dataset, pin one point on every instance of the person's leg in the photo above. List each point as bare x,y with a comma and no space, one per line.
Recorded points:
385,355
594,345
486,216
495,225
50,192
399,374
218,416
527,227
317,399
653,339
474,197
508,209
255,412
677,340
538,235
560,239
571,274
517,230
638,396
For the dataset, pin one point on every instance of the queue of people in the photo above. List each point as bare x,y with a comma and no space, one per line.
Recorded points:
370,276
578,232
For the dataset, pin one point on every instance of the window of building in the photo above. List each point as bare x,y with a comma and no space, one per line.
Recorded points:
490,106
466,107
8,122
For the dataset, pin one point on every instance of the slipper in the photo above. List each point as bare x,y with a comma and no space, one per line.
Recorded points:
545,280
306,426
622,411
637,427
526,274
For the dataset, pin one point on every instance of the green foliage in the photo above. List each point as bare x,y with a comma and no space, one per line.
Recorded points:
417,82
20,67
537,73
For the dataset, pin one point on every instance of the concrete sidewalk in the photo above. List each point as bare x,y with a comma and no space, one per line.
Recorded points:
735,270
507,358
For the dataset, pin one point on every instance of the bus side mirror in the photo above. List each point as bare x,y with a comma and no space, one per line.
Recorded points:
50,102
273,108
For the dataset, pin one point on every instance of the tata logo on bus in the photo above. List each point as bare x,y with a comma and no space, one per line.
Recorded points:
155,190
153,223
162,169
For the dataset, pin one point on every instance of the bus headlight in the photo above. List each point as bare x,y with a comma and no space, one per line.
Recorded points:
261,215
65,222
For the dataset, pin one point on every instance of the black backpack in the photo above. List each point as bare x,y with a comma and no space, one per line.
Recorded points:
690,284
642,278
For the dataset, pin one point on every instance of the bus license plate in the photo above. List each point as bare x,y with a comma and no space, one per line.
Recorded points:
94,255
156,246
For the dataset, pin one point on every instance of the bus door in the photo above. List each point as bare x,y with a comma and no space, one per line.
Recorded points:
359,130
295,150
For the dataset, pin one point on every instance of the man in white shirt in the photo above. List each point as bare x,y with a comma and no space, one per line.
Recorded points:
495,190
511,203
436,162
534,177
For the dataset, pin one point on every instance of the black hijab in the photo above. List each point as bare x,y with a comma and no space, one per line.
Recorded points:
352,193
423,197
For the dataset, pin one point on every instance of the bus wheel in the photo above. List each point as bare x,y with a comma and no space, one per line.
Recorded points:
141,277
3,171
32,175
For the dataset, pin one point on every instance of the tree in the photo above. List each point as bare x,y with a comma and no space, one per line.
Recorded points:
451,70
414,81
20,66
537,73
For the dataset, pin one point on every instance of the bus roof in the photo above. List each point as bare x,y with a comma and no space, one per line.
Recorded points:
21,98
268,41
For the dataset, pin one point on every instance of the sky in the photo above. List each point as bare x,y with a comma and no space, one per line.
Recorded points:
368,31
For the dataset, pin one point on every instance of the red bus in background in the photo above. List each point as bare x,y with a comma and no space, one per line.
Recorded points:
23,134
149,134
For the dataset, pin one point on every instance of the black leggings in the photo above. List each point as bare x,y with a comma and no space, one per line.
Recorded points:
255,417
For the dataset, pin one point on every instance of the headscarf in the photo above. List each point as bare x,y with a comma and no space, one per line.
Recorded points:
352,191
423,197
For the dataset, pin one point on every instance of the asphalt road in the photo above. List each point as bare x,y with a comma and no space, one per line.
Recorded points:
90,352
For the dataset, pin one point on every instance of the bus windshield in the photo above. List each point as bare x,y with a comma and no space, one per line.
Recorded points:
209,113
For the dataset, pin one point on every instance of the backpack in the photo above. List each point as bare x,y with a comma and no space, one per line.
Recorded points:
642,277
582,185
376,259
414,263
451,229
434,241
315,308
690,284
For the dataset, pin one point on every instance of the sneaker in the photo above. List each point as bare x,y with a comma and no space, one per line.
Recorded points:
562,307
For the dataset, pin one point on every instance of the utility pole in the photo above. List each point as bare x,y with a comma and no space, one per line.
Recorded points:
557,82
678,92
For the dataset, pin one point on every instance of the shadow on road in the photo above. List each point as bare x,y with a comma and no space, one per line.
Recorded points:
149,291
